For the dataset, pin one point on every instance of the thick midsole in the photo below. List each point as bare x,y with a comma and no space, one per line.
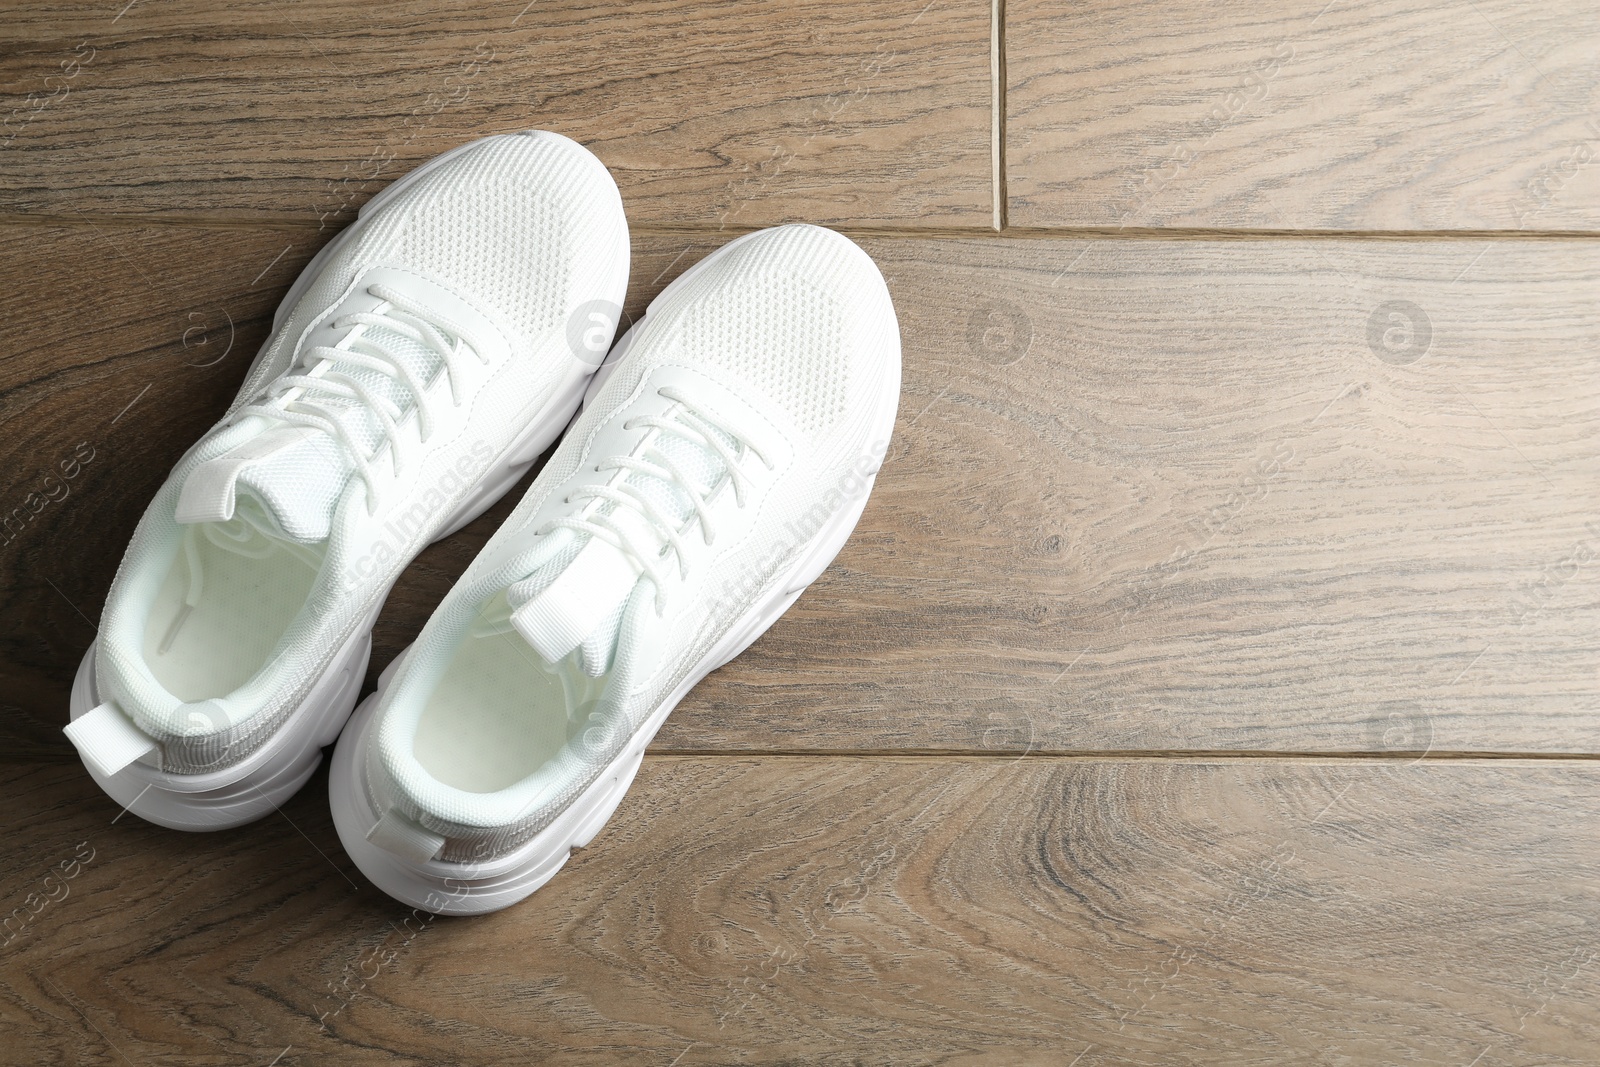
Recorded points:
462,888
248,790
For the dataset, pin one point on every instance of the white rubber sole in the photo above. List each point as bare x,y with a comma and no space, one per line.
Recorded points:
254,787
485,886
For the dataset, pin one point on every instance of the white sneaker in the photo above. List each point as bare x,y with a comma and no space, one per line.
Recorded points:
418,366
723,457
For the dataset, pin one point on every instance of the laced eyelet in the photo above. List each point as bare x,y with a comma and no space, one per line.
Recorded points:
302,393
654,560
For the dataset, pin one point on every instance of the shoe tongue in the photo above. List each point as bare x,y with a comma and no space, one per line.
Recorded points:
575,598
580,605
299,473
300,486
253,512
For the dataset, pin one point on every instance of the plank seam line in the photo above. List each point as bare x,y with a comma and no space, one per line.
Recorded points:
972,755
53,759
712,233
997,122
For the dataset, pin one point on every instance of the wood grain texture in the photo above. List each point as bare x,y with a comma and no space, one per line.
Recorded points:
1143,496
830,910
727,113
1029,775
1463,115
1203,496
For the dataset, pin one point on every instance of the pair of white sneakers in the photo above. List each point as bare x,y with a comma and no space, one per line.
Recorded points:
419,365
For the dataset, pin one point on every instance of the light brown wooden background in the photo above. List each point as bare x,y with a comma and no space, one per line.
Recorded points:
1215,673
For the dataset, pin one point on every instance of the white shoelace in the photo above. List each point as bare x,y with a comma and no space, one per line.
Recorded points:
294,397
692,426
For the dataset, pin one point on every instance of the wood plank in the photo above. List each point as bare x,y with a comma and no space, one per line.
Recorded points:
843,910
1178,503
729,113
1463,115
1152,495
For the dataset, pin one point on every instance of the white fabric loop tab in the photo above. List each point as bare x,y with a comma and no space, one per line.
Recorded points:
208,493
397,834
107,739
585,595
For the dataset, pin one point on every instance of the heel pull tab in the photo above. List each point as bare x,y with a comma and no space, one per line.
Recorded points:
397,834
107,739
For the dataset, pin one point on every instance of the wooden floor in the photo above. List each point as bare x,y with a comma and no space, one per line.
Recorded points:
1214,676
